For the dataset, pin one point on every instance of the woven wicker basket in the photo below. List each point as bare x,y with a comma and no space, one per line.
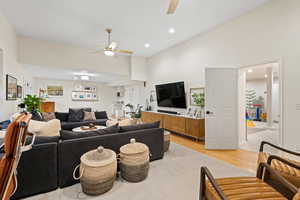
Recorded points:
167,136
98,169
134,161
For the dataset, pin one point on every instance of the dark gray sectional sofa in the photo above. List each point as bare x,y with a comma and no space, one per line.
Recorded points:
50,163
66,124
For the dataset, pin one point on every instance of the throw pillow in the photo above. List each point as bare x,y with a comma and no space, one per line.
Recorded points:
139,126
75,115
89,116
101,115
47,116
50,128
63,117
36,116
68,135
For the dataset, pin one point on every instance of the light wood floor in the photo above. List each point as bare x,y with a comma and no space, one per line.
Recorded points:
239,158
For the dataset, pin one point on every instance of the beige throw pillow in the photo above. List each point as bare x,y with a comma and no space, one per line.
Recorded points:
47,116
89,116
40,128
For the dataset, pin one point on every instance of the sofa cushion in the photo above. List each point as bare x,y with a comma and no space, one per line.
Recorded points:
75,115
43,139
50,128
70,125
47,116
139,126
89,116
63,117
68,135
101,115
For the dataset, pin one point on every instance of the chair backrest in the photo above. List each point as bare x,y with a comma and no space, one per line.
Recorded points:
14,139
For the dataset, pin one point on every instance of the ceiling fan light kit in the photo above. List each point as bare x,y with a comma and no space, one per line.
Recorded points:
111,48
109,52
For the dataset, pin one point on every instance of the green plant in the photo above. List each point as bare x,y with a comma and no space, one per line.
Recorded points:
32,103
138,113
199,99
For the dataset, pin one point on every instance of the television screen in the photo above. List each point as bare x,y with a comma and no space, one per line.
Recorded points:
171,95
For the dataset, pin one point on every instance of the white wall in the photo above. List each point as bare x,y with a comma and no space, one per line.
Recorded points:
8,44
134,94
106,94
138,68
268,33
58,55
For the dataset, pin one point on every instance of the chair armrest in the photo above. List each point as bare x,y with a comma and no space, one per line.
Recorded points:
263,143
206,173
264,169
274,157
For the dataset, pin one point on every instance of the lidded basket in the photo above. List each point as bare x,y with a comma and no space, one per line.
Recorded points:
98,169
134,161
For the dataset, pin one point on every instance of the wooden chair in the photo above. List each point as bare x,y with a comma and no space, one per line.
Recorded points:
14,145
288,171
245,188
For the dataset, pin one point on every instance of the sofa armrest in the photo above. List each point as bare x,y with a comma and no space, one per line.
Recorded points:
37,170
70,151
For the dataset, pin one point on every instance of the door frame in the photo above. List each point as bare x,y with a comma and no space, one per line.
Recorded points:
281,92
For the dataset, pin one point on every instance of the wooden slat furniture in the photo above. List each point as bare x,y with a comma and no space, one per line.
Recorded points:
187,126
290,172
245,187
47,106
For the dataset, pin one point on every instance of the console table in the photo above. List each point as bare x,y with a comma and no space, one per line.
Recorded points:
184,125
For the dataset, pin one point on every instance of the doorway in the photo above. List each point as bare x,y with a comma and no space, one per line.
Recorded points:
262,106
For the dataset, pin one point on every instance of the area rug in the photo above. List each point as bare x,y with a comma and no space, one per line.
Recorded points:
176,177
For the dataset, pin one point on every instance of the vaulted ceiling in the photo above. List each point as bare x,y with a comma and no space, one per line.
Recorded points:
134,22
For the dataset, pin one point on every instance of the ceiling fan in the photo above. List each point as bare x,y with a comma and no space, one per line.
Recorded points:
111,47
172,7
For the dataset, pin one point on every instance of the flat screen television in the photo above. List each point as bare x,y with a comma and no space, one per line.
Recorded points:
171,95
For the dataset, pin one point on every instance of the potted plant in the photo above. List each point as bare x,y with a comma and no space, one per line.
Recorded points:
199,100
33,103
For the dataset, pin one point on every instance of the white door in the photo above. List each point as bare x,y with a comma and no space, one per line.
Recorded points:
221,108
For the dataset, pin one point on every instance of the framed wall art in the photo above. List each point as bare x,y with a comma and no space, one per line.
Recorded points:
19,91
197,97
11,88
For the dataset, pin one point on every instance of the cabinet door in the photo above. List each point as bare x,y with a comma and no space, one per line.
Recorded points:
149,117
176,124
195,128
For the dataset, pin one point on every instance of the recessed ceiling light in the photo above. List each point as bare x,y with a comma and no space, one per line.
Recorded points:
266,76
147,45
250,70
171,30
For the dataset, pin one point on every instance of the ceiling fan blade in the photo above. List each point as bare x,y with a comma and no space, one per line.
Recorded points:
124,51
98,51
113,45
173,6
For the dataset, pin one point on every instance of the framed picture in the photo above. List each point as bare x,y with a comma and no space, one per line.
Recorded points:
11,88
55,90
197,97
19,91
